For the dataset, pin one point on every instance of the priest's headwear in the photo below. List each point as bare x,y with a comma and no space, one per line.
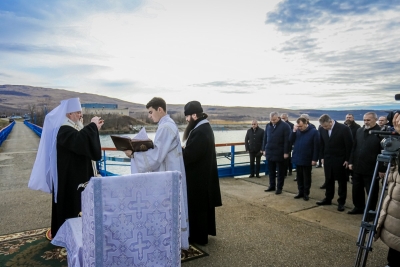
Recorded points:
193,107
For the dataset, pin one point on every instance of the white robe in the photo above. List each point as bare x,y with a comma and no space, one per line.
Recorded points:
166,156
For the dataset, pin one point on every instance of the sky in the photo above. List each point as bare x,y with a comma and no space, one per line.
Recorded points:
339,54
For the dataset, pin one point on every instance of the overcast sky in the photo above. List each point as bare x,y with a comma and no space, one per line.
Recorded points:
267,53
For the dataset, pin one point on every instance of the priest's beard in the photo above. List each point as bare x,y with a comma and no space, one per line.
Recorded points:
191,124
79,124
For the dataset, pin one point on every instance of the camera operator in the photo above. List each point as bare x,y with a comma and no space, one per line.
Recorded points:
388,227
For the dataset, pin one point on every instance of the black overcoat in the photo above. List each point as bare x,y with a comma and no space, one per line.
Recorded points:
336,149
75,152
365,150
254,139
201,169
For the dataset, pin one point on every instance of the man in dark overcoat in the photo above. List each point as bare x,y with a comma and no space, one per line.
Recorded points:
336,144
366,148
201,174
276,149
253,143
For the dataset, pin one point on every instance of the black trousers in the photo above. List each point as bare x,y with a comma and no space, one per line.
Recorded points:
276,180
288,165
393,258
361,185
332,173
257,157
303,179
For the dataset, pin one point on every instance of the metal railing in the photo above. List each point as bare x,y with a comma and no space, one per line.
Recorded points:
5,132
36,129
230,169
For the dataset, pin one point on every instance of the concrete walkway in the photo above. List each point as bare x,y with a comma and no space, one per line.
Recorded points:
254,228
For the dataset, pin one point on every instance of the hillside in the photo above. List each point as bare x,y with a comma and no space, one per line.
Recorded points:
19,98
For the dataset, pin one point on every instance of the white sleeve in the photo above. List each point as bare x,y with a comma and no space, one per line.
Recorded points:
133,167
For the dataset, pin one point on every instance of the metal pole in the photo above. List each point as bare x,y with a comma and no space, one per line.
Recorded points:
233,160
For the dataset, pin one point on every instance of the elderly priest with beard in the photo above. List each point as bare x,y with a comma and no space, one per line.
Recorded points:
201,174
65,159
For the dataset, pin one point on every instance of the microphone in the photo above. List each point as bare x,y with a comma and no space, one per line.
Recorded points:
397,97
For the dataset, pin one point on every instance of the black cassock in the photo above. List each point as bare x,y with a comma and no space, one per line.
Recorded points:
75,152
202,183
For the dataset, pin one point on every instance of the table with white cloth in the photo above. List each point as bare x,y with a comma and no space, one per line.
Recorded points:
69,236
130,220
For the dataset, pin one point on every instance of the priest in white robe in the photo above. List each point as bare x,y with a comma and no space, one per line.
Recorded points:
166,154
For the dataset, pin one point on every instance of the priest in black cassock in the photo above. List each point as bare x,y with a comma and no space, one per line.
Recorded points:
202,179
66,159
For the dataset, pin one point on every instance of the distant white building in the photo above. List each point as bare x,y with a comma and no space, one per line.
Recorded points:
103,109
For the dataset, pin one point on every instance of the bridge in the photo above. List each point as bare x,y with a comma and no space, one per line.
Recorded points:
254,228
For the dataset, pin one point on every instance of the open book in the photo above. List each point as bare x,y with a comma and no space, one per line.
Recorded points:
140,142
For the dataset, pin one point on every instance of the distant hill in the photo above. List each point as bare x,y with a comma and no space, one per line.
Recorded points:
17,98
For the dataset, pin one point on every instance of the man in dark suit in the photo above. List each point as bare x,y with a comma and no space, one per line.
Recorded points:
253,143
336,144
276,150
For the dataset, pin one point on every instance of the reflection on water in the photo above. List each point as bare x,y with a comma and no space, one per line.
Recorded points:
220,137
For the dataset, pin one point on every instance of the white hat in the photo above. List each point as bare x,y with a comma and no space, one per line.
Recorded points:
73,105
44,173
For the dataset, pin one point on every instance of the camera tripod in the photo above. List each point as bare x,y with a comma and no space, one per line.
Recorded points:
370,217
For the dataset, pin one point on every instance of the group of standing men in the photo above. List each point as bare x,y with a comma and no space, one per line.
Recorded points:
68,150
341,148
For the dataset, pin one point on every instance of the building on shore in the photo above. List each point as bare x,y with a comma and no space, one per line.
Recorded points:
103,109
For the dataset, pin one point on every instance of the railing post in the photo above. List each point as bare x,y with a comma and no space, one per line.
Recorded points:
105,164
233,160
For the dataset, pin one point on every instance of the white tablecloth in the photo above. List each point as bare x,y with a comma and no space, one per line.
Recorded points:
69,236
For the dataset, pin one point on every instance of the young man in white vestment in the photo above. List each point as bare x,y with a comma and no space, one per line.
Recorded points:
166,154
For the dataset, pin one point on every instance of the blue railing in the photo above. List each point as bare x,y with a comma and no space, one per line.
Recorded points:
5,132
224,170
34,127
230,169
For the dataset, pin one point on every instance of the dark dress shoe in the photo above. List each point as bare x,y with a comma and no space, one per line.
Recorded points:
278,192
269,189
323,186
306,198
324,202
340,207
298,196
251,176
356,211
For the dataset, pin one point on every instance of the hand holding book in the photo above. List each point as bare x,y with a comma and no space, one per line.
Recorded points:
140,142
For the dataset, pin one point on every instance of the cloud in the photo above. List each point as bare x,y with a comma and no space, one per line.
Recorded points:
299,16
32,49
59,9
4,74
